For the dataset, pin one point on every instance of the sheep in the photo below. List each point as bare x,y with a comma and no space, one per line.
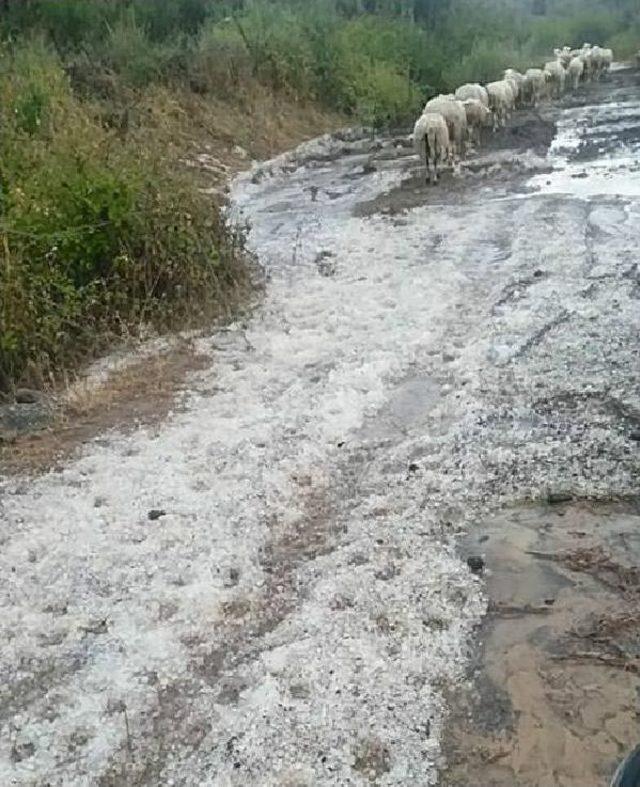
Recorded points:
586,53
501,101
597,61
478,116
575,71
470,90
431,141
517,81
535,85
454,113
557,76
563,55
607,59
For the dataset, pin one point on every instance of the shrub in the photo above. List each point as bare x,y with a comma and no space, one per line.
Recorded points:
220,61
99,234
625,44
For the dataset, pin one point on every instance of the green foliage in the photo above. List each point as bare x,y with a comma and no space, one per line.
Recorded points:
626,43
97,234
585,26
485,63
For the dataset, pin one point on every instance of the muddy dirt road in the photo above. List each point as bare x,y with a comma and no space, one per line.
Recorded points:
272,588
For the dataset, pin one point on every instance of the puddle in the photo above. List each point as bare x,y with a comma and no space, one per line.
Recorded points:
553,697
595,150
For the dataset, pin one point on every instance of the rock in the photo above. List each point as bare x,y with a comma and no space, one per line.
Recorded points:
300,691
325,263
476,564
231,578
156,513
22,750
556,498
386,573
17,419
413,467
239,151
28,396
538,273
95,626
340,602
635,435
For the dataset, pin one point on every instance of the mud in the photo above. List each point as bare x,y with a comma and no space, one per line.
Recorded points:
553,696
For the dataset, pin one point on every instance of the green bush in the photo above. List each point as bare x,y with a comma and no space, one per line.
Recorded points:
485,63
98,235
625,44
220,61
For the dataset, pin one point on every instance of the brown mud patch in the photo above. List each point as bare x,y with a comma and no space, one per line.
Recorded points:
141,392
552,698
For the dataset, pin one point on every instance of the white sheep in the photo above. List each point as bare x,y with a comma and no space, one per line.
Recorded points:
535,85
556,78
599,60
586,53
455,116
575,71
432,144
517,81
501,101
563,55
472,90
478,116
607,59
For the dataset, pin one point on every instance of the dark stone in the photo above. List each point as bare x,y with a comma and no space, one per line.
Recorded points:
97,626
413,467
27,396
538,273
231,578
22,751
386,573
16,419
156,513
635,435
556,498
476,564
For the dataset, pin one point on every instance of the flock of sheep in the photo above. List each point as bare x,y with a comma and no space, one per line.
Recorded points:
450,123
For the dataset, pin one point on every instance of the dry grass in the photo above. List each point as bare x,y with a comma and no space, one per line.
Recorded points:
142,392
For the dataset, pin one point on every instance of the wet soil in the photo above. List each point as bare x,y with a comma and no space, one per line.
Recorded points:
553,694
